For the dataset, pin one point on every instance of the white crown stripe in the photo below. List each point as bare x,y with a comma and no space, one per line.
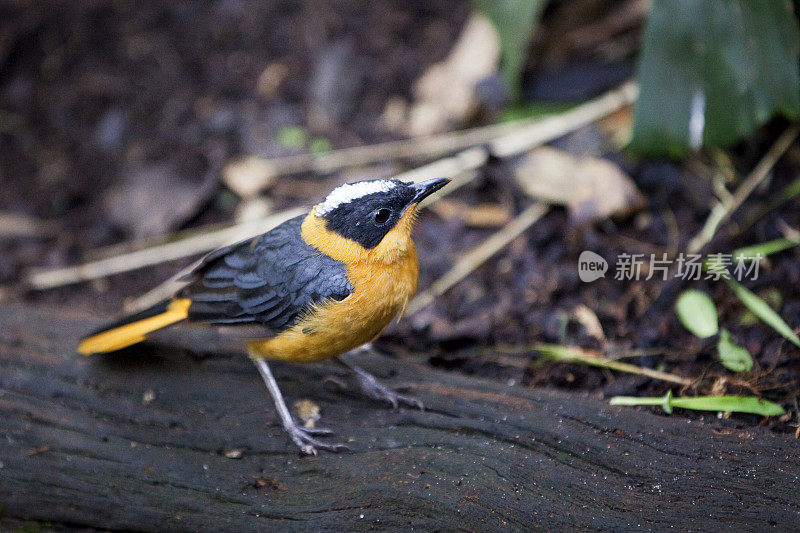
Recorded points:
350,191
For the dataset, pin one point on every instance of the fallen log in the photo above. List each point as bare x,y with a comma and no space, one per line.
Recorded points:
182,436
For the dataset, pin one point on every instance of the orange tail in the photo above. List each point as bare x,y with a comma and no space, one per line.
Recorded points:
134,328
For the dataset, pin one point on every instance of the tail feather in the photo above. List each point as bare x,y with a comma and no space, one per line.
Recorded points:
134,328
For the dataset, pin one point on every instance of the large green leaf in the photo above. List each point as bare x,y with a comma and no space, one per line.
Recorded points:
515,20
734,63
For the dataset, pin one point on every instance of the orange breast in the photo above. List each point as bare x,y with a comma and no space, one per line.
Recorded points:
382,288
337,327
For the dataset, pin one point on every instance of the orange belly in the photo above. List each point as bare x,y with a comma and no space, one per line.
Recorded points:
380,292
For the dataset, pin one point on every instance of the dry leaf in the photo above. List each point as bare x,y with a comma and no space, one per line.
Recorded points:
248,176
593,189
719,387
618,126
588,319
270,80
16,225
148,397
308,412
477,216
547,174
445,95
253,209
154,199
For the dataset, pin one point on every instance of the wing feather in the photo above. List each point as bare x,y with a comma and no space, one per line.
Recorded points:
269,281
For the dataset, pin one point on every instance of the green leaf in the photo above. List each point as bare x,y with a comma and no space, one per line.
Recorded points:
774,201
515,21
774,299
557,352
630,401
735,404
292,137
533,110
733,63
763,311
789,192
319,145
749,253
731,355
697,313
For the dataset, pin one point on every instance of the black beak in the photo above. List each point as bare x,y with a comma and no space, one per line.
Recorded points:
425,188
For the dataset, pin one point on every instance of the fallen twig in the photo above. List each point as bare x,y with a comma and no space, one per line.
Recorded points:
46,279
786,194
14,225
569,354
458,167
478,255
726,206
544,130
504,139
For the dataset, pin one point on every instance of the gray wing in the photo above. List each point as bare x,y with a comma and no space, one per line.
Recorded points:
268,281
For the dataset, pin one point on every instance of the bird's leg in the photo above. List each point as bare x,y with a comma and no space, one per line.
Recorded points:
375,389
300,435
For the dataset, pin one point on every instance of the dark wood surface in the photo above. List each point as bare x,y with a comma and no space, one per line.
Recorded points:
81,447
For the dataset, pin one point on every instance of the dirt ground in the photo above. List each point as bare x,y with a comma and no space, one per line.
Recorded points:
98,98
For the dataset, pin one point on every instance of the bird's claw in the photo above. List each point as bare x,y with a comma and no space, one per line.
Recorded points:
308,445
375,389
336,381
317,431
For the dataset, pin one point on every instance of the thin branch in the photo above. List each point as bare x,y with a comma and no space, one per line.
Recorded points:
478,255
545,130
619,366
506,138
726,207
14,225
570,354
46,279
786,194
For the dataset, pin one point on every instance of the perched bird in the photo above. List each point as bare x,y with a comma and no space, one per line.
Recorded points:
314,287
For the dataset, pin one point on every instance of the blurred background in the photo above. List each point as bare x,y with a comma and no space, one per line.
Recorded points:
127,126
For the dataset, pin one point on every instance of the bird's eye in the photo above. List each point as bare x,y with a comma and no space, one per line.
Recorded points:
382,216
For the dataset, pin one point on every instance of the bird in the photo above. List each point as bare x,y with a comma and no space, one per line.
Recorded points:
317,286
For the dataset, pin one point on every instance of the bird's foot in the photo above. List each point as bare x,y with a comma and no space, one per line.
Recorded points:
303,437
373,388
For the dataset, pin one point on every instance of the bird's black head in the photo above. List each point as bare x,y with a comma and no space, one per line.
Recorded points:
366,211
